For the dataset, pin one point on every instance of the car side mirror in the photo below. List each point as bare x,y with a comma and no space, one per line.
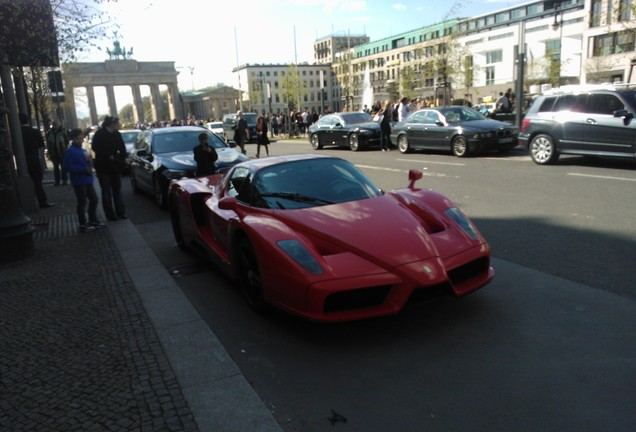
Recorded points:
228,203
623,113
414,175
338,125
439,123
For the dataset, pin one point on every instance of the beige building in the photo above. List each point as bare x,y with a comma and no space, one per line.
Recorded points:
210,104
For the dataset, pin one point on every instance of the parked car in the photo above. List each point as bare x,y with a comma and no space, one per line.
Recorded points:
229,125
458,129
130,137
164,154
215,127
355,130
581,120
308,234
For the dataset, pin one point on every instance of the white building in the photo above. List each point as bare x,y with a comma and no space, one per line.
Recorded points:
281,88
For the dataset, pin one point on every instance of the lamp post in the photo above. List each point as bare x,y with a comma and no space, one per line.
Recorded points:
557,25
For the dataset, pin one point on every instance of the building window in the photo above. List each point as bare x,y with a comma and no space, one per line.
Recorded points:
595,13
490,75
624,10
494,56
518,13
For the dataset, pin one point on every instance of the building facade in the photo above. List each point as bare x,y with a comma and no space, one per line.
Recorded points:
284,88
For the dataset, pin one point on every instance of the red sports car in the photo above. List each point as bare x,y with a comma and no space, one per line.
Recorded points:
312,235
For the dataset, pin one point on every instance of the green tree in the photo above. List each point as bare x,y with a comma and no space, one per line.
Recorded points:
292,88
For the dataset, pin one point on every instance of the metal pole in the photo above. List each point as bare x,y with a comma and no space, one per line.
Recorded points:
521,60
238,71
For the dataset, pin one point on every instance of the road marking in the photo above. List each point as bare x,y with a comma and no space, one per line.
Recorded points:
381,168
430,162
602,177
509,158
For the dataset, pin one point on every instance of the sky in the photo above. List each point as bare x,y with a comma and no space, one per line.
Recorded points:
207,39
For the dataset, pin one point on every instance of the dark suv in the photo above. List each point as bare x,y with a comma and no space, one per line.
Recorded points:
581,120
229,124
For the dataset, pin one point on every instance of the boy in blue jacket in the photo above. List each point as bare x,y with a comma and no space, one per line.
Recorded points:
79,164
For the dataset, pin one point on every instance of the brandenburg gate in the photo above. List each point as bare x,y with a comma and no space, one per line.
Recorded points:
125,72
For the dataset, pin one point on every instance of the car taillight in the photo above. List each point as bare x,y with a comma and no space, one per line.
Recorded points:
524,124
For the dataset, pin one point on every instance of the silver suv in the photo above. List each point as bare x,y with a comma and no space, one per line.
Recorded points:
581,120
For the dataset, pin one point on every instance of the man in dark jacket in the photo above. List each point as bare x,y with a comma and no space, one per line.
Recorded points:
205,156
33,143
110,160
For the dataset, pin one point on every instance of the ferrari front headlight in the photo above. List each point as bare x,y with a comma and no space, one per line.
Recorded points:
462,221
301,255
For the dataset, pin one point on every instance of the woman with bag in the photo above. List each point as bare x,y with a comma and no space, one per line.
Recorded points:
261,136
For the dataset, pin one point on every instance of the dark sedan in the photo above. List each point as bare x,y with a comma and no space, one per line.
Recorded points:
163,154
459,129
355,130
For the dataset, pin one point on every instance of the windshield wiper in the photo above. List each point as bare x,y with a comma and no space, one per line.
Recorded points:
295,197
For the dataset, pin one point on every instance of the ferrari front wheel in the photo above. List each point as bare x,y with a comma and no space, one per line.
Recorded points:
175,219
249,276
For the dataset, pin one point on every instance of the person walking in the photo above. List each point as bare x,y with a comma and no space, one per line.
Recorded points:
78,163
33,143
240,131
56,145
110,160
385,125
261,136
205,156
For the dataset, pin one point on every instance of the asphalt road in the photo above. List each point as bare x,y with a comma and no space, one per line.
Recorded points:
548,345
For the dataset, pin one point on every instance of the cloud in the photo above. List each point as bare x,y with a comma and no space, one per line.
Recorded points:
353,6
399,6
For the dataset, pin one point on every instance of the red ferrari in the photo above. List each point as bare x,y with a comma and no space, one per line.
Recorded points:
312,235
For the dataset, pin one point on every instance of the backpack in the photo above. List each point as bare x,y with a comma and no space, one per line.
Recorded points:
394,116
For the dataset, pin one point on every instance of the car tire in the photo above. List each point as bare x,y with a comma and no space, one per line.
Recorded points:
249,276
133,182
542,150
403,144
160,195
315,142
354,142
175,219
459,146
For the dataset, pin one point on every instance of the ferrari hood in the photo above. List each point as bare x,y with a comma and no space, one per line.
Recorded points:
379,229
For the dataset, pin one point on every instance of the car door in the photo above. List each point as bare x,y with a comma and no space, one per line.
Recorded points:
602,132
340,131
436,132
414,126
570,115
238,183
143,161
323,130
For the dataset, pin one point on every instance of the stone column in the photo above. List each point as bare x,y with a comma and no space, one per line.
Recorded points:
138,106
69,119
155,103
173,102
112,102
92,106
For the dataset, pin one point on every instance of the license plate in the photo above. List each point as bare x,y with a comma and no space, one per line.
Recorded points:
505,140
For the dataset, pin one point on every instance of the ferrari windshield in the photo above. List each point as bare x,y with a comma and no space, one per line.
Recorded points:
309,183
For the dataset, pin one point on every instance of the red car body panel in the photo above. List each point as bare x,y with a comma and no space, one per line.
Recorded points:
376,254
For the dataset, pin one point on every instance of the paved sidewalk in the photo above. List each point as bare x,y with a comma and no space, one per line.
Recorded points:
96,336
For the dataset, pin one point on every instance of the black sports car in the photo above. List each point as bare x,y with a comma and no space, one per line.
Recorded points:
459,129
355,130
163,154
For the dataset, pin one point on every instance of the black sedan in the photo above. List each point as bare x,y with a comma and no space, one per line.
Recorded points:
459,129
163,154
355,130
